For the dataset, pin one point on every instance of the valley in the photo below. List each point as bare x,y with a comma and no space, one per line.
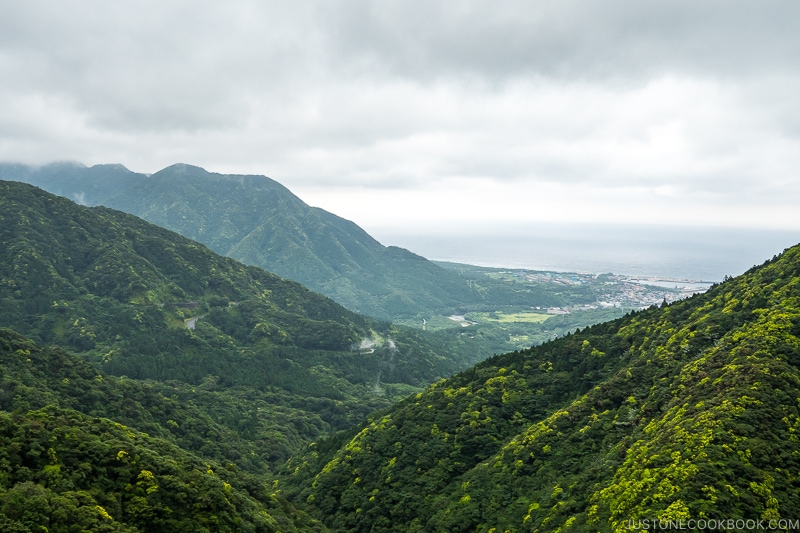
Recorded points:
259,222
399,267
150,384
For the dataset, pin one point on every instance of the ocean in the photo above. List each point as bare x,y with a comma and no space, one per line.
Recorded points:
700,254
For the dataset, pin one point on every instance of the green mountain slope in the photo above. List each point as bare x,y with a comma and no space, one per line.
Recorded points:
122,292
684,412
74,455
259,222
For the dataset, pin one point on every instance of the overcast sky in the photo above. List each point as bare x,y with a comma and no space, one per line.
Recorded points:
425,114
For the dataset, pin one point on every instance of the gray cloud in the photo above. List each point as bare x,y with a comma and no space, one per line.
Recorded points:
570,39
679,100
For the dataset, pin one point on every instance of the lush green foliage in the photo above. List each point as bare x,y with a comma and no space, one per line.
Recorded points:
244,427
690,410
119,291
686,411
67,462
62,470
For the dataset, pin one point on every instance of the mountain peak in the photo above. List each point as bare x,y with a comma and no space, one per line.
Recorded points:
110,166
64,165
181,169
260,222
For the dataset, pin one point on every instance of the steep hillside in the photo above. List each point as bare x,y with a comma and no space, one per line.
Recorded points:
75,456
684,412
125,294
259,222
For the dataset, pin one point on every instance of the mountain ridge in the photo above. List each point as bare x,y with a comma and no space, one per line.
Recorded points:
121,292
259,221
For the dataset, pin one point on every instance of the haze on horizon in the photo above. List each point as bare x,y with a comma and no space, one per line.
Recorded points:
434,116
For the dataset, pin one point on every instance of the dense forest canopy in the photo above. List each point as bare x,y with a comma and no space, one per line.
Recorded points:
84,451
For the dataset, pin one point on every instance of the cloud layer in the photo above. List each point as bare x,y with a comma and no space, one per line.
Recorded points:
398,113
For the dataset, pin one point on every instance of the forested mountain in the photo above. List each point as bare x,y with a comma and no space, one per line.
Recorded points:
125,294
74,455
259,222
194,378
685,411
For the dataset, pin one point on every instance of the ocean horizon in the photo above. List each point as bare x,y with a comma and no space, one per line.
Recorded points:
689,253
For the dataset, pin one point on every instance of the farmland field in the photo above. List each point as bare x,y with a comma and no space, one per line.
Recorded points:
520,316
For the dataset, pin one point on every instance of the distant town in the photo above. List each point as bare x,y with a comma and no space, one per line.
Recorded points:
623,291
